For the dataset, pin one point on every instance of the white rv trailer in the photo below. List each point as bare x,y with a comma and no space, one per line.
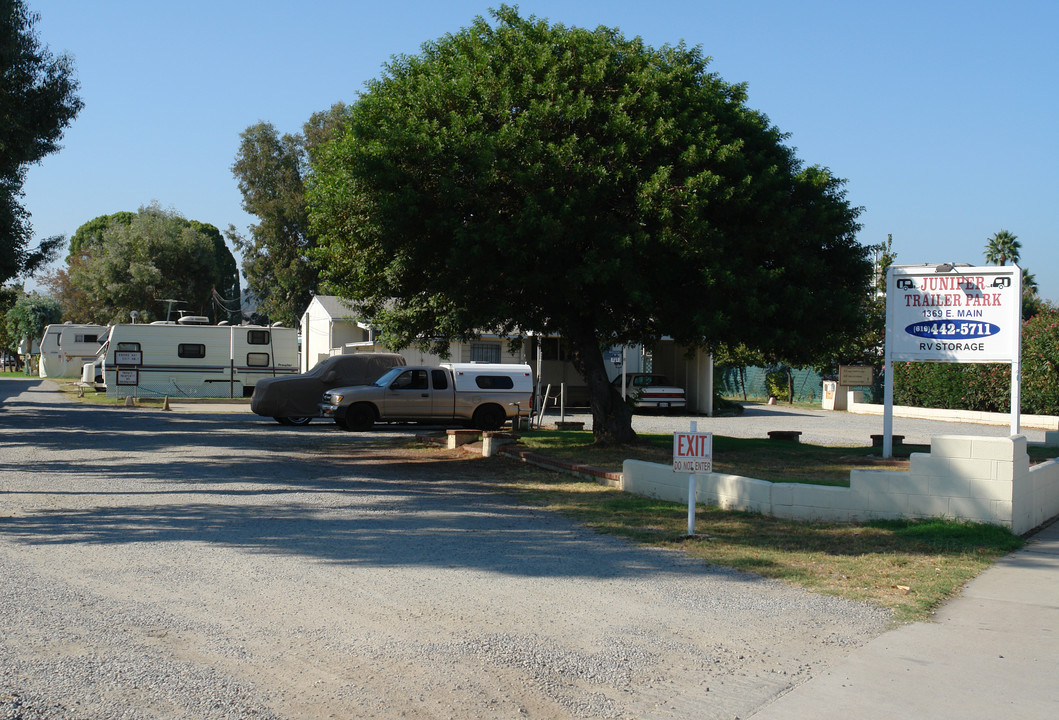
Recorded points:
190,359
65,348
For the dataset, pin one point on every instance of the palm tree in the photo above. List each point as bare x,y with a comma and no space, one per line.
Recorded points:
1002,247
1029,283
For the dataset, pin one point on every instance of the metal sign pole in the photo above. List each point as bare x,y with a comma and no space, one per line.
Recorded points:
888,369
691,491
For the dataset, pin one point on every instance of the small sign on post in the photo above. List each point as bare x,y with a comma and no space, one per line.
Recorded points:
855,375
692,453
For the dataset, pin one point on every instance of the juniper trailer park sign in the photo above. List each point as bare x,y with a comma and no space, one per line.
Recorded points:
953,313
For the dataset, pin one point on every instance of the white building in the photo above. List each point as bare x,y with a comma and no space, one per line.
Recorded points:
330,327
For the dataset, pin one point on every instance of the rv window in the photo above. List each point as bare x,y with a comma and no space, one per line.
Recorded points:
191,350
257,359
494,382
83,338
440,379
131,346
257,337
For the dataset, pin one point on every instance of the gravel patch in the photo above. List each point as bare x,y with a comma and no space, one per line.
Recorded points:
158,565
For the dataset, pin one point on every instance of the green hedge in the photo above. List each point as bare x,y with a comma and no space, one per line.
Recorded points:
987,388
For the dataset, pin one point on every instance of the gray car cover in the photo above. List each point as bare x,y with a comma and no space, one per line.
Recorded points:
298,395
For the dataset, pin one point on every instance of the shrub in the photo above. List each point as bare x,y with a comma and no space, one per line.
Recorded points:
987,387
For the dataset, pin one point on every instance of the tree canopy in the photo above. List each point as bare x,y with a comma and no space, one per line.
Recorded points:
271,170
38,101
523,176
29,316
134,261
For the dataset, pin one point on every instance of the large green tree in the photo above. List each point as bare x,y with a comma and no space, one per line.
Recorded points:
521,175
127,262
38,101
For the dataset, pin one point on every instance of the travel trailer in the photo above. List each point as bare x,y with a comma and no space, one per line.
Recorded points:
192,359
65,348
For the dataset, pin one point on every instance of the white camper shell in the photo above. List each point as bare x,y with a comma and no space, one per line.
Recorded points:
65,348
186,359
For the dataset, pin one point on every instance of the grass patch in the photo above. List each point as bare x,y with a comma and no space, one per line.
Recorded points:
909,567
763,459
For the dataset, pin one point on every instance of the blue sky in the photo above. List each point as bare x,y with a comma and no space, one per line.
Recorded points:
942,116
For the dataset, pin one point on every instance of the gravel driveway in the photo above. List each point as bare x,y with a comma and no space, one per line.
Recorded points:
157,565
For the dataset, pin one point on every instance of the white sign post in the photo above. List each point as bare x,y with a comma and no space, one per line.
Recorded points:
951,313
692,453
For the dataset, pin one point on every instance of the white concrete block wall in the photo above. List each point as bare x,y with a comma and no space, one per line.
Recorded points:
976,479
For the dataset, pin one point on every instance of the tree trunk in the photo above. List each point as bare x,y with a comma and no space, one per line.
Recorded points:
611,415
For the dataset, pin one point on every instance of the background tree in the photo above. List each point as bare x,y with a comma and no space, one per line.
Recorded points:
271,170
37,102
156,255
90,235
575,182
86,242
26,320
1003,246
9,295
277,265
1032,303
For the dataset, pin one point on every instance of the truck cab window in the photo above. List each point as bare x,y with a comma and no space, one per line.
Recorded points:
411,380
440,379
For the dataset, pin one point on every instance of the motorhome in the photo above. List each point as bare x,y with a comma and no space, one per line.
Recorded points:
191,359
65,348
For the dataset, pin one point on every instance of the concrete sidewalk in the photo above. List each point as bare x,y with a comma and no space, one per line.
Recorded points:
991,653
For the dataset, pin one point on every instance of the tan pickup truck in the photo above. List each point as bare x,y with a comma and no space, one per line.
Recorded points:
484,395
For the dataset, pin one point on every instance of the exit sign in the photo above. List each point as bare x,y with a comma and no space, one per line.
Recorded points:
692,452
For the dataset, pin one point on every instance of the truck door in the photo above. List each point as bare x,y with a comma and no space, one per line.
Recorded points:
443,407
408,396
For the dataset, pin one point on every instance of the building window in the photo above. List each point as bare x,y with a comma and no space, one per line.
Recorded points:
552,348
485,352
191,350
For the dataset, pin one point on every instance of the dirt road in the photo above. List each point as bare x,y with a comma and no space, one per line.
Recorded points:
156,565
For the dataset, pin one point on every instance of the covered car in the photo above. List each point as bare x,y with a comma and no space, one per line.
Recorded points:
293,399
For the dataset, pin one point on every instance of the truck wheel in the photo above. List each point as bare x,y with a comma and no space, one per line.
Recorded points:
359,417
488,417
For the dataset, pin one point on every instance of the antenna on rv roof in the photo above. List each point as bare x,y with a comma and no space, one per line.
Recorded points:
169,310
